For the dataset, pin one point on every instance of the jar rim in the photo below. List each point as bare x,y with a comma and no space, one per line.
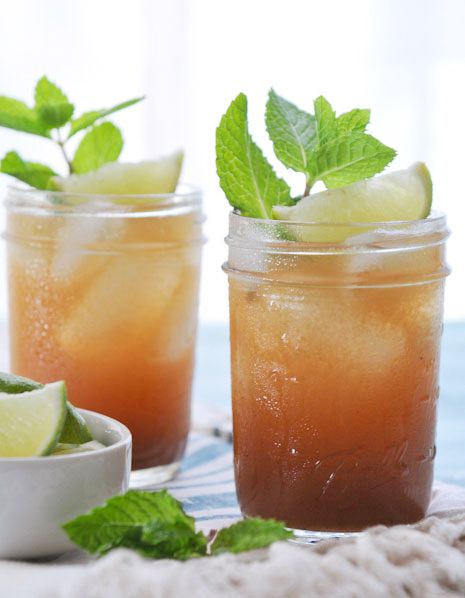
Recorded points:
259,248
435,216
285,236
186,197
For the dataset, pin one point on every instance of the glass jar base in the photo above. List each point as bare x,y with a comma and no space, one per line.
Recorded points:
153,476
303,536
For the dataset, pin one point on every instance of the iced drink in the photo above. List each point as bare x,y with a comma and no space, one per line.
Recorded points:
336,316
104,294
335,354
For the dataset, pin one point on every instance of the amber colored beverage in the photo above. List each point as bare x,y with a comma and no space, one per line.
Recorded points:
103,293
335,354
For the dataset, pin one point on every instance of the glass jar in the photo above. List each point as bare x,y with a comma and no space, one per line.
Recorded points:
103,293
335,356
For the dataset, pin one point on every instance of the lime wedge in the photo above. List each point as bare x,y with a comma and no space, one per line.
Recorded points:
75,429
31,423
12,384
149,177
397,196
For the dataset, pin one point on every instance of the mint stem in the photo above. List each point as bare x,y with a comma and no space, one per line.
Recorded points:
308,186
61,145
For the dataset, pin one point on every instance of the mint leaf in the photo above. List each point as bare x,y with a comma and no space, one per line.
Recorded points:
154,524
249,534
172,540
326,123
291,130
355,120
89,118
33,173
344,153
350,158
51,104
246,177
15,114
12,384
102,144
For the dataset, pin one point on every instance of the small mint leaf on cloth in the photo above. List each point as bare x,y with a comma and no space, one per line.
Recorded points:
291,130
15,114
89,118
33,173
153,523
350,158
354,120
51,104
246,177
174,540
102,144
249,534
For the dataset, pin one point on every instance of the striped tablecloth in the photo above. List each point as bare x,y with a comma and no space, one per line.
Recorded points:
205,484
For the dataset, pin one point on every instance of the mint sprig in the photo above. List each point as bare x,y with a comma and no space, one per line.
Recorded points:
323,146
89,118
246,176
51,104
15,114
354,120
102,144
33,173
292,131
52,117
155,525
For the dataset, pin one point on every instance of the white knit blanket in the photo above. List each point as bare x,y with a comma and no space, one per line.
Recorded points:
423,560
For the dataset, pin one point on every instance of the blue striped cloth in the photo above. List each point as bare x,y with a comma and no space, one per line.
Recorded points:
205,484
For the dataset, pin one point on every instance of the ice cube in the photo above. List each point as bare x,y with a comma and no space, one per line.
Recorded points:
78,235
128,299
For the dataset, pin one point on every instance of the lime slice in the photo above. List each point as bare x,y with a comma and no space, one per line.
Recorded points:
31,423
397,196
75,429
11,384
150,177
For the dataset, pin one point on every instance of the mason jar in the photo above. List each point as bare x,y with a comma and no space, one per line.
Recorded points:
335,339
103,293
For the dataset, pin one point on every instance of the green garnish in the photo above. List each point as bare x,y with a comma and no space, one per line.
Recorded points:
324,147
246,176
74,429
156,525
249,534
52,117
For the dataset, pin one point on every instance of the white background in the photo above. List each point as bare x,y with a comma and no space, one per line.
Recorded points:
405,59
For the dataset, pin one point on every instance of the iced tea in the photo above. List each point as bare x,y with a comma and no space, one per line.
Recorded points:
335,354
103,294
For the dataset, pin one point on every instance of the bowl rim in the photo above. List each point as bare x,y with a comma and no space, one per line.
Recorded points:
125,439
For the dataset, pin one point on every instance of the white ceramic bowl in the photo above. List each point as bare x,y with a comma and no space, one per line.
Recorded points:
39,494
